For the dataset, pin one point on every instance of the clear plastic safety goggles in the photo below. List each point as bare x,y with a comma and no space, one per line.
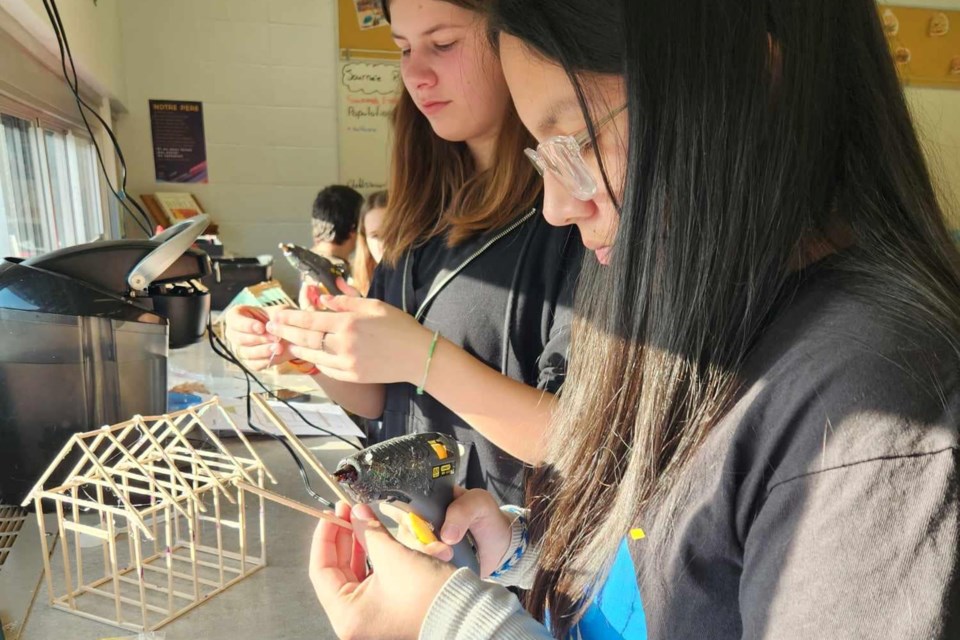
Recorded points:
562,156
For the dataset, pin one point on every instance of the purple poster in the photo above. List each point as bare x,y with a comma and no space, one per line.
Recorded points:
179,148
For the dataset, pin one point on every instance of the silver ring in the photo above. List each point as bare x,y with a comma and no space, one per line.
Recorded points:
323,342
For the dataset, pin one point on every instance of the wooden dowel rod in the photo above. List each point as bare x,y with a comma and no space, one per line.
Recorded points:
297,444
263,521
64,546
246,442
111,532
147,476
59,497
141,582
208,565
177,574
153,587
293,504
223,449
106,476
192,532
173,465
183,441
124,600
50,469
85,529
43,547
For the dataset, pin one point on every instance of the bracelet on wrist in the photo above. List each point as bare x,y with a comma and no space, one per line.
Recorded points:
426,368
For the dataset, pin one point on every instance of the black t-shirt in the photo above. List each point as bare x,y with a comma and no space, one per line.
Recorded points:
825,504
510,307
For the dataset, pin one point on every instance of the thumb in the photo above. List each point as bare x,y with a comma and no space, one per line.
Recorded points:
373,536
347,290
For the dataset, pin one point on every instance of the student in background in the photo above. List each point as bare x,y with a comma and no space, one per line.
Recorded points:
369,249
466,327
336,214
759,436
334,223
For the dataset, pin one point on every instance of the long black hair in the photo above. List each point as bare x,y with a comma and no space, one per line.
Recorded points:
761,134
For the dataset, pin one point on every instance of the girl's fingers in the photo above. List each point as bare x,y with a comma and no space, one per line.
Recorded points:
248,320
308,338
310,320
322,359
345,542
439,550
330,570
347,303
347,290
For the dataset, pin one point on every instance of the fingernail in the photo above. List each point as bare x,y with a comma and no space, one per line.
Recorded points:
365,513
271,326
450,534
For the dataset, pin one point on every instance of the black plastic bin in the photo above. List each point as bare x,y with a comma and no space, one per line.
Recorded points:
231,275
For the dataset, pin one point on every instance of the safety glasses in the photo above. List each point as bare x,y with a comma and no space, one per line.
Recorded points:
562,156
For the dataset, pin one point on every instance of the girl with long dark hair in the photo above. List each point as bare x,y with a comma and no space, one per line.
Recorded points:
466,327
758,436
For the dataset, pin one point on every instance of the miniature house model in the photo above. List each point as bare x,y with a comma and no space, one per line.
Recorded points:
153,518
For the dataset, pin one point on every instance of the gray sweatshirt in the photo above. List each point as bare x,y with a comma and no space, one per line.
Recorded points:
825,504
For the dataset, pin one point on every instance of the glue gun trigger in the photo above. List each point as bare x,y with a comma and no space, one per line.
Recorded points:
403,515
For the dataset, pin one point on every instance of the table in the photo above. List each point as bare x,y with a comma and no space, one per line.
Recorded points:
276,602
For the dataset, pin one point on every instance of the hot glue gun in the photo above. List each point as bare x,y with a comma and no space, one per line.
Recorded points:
414,474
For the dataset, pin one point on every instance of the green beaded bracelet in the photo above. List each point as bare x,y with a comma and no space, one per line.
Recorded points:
426,369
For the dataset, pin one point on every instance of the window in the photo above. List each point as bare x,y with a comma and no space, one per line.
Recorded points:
49,188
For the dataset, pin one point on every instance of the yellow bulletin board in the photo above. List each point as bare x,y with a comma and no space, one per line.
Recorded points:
367,91
925,44
363,31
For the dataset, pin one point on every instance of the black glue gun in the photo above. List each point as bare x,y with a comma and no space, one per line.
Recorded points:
410,478
317,267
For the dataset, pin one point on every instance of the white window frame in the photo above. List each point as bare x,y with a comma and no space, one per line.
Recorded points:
71,196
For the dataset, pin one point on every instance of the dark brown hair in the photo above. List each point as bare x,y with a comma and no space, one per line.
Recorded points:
435,186
736,159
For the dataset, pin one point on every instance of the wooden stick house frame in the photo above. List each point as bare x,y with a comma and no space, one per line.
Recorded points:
146,478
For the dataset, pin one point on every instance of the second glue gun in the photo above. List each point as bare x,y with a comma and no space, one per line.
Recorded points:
413,473
317,267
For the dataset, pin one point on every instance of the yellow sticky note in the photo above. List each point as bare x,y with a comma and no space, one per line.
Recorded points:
637,534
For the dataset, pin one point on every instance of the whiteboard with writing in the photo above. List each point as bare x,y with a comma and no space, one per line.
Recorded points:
367,94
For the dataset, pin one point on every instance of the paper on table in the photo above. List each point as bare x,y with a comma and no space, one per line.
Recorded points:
328,416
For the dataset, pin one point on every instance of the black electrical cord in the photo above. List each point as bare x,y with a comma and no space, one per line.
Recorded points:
227,355
65,54
61,34
222,350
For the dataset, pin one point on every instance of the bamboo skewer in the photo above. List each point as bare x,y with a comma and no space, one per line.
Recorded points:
106,476
246,442
297,444
43,547
64,546
263,521
293,504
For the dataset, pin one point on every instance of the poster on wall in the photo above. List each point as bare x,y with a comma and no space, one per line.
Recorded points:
369,14
368,92
179,147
